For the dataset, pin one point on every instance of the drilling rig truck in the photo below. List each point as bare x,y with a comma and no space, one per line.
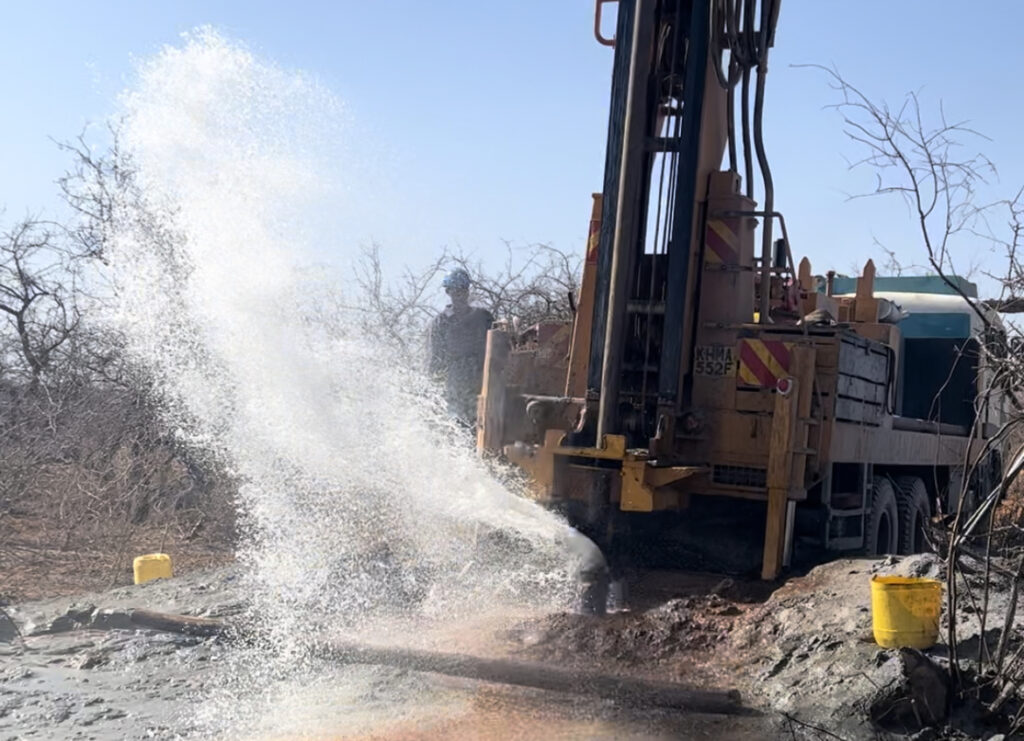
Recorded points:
711,396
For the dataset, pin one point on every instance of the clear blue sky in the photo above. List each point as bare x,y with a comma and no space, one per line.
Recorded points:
493,114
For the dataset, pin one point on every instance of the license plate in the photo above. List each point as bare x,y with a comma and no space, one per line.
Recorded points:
715,360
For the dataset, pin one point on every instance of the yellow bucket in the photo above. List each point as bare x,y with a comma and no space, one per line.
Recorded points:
905,611
152,566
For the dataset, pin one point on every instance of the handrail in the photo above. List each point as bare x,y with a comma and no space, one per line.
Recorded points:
597,23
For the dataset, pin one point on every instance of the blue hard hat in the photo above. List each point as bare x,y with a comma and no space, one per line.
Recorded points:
458,278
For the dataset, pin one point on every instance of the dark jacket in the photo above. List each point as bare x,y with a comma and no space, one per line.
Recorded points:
457,344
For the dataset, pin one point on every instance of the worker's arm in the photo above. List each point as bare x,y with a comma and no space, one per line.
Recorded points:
435,348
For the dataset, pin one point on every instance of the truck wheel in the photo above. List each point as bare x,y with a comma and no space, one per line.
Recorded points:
915,511
881,528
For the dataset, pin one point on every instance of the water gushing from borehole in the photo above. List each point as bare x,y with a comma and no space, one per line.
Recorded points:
344,459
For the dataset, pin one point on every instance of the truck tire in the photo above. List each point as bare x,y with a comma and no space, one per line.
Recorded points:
881,526
915,511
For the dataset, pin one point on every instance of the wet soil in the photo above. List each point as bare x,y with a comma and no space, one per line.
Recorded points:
500,713
77,668
800,654
657,637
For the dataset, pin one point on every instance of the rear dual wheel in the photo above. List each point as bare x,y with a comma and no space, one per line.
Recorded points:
897,517
915,511
881,536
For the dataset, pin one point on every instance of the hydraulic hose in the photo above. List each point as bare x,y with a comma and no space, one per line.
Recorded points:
768,15
747,31
748,55
769,195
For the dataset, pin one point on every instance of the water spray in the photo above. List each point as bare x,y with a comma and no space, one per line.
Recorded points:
335,443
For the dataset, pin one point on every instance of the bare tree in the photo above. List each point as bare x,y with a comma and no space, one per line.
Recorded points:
398,310
925,165
38,298
97,184
920,158
88,465
533,283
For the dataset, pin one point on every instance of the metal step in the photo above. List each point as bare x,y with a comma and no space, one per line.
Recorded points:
848,512
639,367
645,307
663,144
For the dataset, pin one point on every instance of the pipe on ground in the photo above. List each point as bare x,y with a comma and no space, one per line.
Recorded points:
627,690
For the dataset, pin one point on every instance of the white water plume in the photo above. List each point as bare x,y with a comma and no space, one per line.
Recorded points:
347,468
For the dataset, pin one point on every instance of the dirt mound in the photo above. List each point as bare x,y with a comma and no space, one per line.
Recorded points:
687,624
808,653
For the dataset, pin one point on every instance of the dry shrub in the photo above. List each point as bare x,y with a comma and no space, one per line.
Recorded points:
94,480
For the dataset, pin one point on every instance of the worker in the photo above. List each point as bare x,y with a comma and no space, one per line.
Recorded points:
457,342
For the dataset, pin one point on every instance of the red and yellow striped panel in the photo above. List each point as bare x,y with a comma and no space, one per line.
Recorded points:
721,244
763,362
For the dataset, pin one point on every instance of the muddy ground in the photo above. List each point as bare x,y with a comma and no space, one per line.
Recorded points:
800,654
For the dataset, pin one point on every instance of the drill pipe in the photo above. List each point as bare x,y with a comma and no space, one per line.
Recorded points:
627,690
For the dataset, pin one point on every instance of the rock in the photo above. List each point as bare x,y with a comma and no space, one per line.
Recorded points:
921,565
8,628
90,660
67,646
929,686
722,587
777,667
914,700
16,672
112,620
76,617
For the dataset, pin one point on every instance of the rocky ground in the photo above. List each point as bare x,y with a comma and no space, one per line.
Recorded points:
79,668
801,656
